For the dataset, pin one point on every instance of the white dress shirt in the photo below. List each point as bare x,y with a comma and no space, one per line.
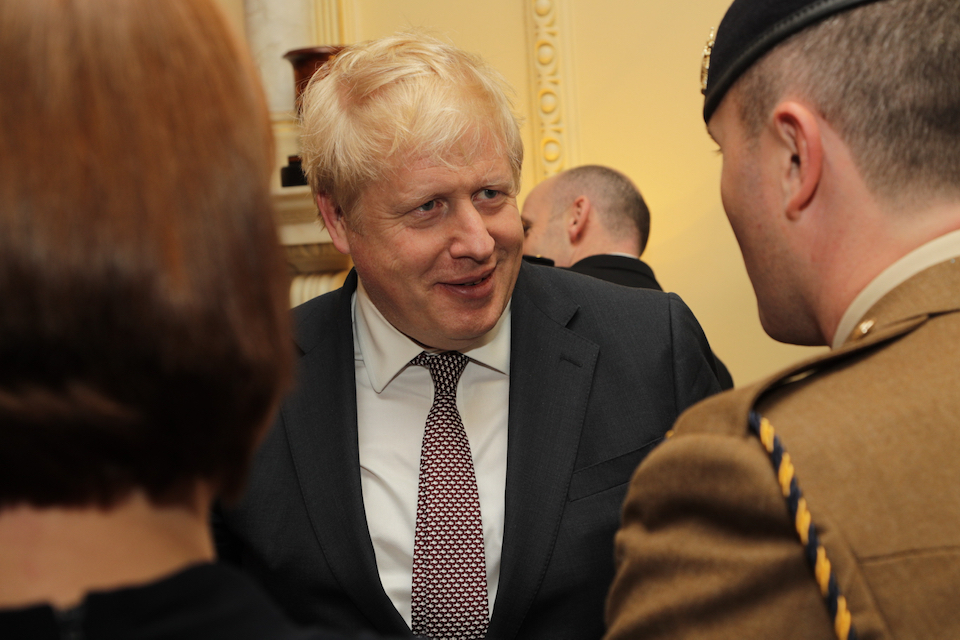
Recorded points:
923,257
393,400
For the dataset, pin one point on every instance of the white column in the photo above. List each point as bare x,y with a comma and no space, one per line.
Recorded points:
273,28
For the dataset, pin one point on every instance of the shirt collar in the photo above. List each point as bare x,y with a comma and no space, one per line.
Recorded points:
385,351
923,257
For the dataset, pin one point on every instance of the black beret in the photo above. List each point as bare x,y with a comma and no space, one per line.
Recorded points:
750,29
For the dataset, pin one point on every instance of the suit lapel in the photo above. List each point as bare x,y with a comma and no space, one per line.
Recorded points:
551,373
322,431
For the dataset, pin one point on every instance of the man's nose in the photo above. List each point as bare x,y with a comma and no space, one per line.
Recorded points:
472,238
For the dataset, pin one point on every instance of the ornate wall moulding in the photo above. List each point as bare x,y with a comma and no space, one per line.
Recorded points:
334,22
551,88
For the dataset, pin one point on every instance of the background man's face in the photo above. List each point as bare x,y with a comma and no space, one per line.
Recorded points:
543,231
439,247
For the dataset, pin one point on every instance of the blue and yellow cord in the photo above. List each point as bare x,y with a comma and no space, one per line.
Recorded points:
816,554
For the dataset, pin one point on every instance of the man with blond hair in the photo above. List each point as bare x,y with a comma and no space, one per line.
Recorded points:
453,461
824,501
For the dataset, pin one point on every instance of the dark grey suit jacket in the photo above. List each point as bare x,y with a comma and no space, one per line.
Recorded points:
633,272
597,376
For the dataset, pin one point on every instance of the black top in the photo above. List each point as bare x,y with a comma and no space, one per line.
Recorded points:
633,272
630,272
203,602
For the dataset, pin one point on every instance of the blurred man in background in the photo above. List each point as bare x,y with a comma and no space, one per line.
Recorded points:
593,220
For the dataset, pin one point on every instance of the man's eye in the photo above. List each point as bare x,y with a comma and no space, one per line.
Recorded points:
526,228
489,194
428,206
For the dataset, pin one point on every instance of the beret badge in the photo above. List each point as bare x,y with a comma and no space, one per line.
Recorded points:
705,63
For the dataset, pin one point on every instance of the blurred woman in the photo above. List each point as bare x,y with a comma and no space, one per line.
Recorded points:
144,337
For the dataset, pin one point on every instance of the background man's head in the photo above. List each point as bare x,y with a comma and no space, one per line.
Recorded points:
413,153
826,114
585,211
144,341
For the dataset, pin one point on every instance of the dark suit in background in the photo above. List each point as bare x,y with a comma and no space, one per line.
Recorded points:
630,272
598,373
633,272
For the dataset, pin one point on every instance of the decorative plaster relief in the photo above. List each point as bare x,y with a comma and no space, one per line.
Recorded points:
551,85
334,21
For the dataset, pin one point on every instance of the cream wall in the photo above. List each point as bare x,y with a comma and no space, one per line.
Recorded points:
628,84
637,71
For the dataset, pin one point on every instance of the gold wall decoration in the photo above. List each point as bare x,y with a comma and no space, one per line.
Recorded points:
333,22
551,84
327,29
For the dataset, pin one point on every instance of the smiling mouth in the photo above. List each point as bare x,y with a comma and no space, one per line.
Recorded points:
472,283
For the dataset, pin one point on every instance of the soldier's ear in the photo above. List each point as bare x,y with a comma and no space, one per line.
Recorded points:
800,147
334,221
580,212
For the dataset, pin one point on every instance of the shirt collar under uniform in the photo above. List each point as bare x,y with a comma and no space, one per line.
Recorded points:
923,257
385,351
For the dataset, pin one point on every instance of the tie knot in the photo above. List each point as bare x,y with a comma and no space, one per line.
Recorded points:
445,369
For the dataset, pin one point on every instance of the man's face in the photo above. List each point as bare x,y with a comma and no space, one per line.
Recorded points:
753,201
543,230
439,247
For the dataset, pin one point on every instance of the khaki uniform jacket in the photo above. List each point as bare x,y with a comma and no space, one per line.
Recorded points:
707,548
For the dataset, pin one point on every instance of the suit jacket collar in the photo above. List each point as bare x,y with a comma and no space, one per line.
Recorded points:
633,271
933,291
608,260
941,249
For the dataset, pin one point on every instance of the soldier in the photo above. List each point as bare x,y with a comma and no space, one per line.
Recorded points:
838,123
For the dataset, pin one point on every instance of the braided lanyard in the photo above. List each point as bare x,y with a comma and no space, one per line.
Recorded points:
803,522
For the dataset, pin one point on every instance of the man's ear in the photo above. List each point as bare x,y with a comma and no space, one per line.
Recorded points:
580,212
798,131
334,221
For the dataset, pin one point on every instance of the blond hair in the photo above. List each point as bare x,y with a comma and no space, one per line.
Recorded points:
407,96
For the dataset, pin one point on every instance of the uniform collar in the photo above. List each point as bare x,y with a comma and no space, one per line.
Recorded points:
934,252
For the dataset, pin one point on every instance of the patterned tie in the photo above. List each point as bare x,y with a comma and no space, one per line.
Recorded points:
449,594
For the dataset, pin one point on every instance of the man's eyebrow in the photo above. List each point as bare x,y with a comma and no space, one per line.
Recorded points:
499,180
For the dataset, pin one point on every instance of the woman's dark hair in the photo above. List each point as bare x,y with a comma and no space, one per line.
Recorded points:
144,338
